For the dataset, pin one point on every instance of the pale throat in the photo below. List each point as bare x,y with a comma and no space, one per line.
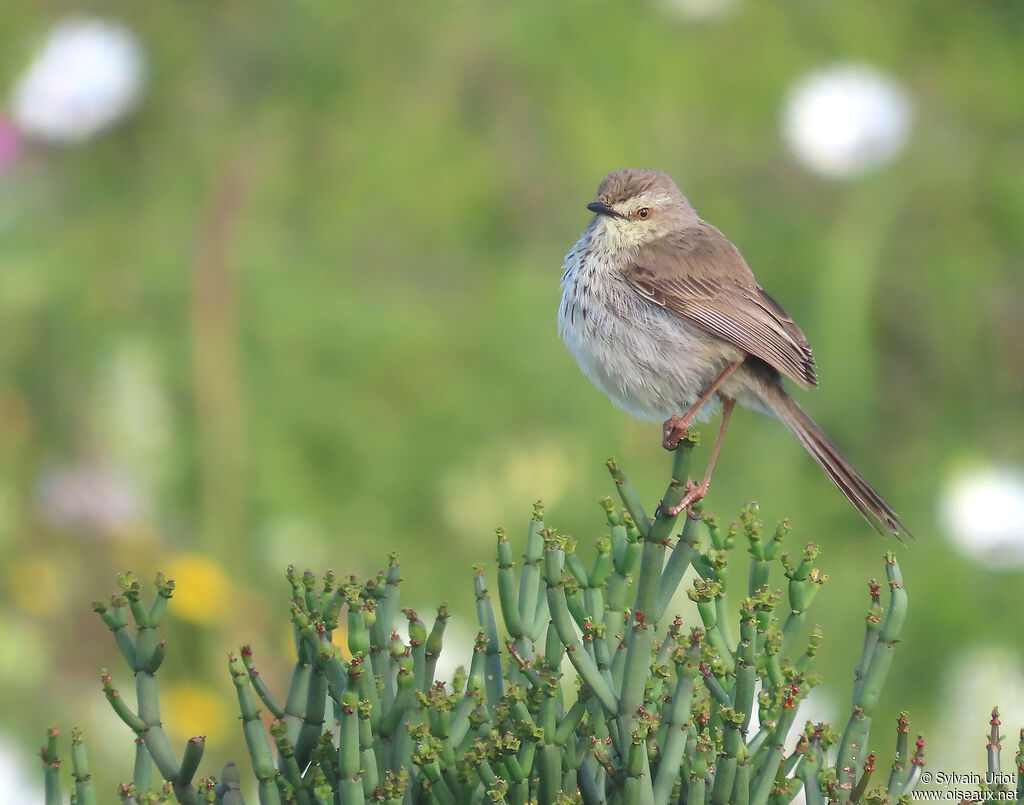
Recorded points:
616,235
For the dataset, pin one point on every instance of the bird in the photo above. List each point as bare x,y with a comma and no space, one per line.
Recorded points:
663,314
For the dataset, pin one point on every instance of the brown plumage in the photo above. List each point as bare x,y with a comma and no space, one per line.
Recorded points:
699,274
671,320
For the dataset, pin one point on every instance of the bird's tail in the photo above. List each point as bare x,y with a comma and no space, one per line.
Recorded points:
864,497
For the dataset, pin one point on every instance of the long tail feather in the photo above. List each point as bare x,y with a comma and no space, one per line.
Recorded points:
864,497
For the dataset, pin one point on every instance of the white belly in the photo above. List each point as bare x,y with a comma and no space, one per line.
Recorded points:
651,362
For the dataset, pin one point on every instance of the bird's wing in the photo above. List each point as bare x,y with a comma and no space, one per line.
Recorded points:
700,275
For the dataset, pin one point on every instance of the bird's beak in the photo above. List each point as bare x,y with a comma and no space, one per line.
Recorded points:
604,209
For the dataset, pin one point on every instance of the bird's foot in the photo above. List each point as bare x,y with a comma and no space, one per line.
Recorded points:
694,492
675,429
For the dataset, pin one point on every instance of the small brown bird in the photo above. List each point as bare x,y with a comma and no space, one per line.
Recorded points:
664,315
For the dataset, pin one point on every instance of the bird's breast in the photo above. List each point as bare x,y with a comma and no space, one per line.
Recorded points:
650,361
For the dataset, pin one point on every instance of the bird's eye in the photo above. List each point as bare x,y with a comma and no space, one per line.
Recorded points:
643,212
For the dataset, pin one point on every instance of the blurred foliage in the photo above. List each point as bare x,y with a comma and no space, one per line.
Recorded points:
301,307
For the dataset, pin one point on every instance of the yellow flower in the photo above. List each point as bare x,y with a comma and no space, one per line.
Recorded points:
189,709
340,638
202,589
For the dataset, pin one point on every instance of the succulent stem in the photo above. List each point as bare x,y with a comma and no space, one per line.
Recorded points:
639,728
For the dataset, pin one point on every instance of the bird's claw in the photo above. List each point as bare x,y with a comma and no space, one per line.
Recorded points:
694,493
675,429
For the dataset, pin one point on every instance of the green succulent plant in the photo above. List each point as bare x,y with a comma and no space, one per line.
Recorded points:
660,712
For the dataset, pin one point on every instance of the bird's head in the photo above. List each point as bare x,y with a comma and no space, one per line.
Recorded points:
633,207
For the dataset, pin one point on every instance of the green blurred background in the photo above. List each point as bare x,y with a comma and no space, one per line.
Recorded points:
300,307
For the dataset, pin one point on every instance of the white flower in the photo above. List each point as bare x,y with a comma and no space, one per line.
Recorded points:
698,10
89,498
844,120
978,679
88,75
983,509
15,784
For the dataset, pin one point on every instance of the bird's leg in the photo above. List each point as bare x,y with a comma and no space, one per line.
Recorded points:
676,427
695,492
